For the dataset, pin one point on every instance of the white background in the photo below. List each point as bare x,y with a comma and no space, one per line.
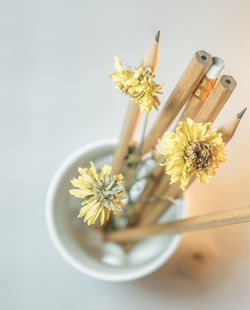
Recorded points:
55,96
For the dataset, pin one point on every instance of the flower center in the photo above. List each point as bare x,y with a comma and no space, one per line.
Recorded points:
198,155
107,189
145,73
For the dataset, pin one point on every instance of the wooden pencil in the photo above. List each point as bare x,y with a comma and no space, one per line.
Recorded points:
209,112
200,55
188,82
217,99
126,137
206,221
148,190
228,129
201,60
150,59
203,90
154,211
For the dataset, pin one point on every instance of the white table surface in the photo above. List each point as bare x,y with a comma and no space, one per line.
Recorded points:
55,97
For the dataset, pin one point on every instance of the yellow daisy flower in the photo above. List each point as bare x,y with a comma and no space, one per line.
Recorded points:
103,193
139,85
193,148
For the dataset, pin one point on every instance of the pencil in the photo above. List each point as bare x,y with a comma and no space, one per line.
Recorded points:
188,82
228,129
217,99
150,59
148,190
211,220
154,211
203,90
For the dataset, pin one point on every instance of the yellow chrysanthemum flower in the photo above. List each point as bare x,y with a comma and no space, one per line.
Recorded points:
139,85
103,193
193,148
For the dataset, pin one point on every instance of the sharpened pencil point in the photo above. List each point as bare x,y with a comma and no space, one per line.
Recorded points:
157,36
239,115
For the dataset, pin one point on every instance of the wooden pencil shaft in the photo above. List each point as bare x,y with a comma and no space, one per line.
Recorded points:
217,99
209,80
208,113
203,90
142,209
126,137
158,190
152,183
211,220
212,107
229,129
198,99
192,109
190,79
148,190
150,59
153,211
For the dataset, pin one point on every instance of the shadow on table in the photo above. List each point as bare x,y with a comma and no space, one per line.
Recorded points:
200,263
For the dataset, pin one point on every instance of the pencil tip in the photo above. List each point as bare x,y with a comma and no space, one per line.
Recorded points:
239,115
157,36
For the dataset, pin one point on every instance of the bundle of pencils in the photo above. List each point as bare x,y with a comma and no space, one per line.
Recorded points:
194,150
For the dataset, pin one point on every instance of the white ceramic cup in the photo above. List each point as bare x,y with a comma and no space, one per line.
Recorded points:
81,246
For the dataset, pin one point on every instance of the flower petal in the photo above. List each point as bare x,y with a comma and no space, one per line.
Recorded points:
80,193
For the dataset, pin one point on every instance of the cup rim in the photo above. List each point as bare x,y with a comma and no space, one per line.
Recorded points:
58,243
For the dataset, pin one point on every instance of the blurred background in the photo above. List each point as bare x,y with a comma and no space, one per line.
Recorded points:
56,96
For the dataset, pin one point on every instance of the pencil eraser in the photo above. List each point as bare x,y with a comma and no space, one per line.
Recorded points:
216,68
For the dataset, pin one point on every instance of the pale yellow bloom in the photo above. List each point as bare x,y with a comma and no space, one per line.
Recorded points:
103,193
138,85
193,148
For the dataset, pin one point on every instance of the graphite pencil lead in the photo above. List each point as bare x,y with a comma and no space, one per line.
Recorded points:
157,36
240,115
